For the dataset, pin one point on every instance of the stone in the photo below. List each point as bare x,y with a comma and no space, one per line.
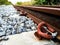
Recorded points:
10,18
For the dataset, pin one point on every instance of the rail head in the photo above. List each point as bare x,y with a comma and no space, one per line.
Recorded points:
49,10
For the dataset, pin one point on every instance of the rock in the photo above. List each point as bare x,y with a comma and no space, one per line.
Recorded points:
2,32
12,22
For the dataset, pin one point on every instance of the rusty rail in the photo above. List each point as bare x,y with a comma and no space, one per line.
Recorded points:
54,6
54,11
38,14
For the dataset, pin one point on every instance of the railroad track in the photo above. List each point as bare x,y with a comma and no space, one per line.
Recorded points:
47,14
54,6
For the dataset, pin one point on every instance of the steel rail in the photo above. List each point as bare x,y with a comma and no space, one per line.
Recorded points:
35,17
53,6
50,10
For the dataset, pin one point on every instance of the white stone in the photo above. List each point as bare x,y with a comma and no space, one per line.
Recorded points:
28,30
22,24
14,31
2,32
33,28
11,19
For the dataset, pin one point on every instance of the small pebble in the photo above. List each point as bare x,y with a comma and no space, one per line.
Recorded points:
12,23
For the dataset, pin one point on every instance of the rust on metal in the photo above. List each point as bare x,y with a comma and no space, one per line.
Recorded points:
55,11
36,18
